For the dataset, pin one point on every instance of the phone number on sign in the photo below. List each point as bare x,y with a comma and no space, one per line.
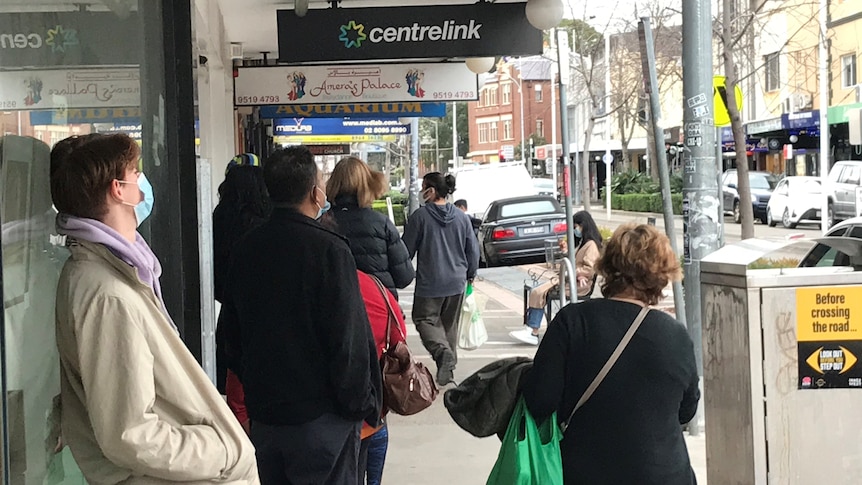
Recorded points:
257,99
386,130
454,95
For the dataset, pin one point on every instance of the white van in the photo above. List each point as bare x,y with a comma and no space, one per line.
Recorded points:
480,185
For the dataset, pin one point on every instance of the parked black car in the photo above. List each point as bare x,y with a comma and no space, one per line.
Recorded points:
762,184
514,230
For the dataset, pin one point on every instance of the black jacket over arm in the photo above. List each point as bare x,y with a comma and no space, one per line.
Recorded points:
307,347
374,242
629,431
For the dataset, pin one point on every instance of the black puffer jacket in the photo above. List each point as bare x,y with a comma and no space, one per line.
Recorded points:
374,242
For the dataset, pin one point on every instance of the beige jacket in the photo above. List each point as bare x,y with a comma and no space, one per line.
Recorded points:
137,407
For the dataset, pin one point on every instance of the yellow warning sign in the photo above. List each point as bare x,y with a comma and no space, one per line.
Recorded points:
838,360
829,313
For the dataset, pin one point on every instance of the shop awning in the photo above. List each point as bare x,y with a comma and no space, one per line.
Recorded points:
840,114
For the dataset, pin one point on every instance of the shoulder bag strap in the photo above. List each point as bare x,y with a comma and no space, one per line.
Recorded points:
608,365
384,293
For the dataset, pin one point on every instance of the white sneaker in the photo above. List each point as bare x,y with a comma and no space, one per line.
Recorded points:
525,335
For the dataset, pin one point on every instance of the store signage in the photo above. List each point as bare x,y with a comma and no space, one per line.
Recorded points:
324,150
125,116
78,88
445,31
804,119
51,39
302,139
133,130
335,126
354,110
255,86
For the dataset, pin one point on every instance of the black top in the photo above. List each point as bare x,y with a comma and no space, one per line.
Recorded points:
629,431
374,242
230,224
307,346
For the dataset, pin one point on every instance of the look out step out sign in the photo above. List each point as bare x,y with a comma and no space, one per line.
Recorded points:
829,337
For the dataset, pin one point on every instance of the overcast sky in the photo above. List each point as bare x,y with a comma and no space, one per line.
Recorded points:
615,13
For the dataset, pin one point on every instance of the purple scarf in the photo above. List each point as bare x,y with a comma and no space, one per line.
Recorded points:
137,254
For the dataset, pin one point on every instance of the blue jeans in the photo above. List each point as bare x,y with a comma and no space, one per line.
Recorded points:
534,317
373,454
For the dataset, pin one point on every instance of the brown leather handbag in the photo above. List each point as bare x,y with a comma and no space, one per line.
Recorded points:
407,384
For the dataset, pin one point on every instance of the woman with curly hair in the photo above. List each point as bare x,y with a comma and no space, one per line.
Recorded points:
629,430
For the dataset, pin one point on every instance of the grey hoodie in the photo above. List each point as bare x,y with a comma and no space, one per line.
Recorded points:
447,253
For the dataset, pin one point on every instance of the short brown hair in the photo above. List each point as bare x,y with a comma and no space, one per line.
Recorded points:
351,176
80,184
638,261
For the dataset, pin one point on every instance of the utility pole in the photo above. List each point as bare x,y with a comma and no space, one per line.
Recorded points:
563,63
413,191
700,218
824,124
658,155
455,163
521,92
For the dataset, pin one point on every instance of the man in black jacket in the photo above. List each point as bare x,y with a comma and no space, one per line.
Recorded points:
310,369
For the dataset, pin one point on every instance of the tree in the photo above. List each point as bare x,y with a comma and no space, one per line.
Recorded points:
443,129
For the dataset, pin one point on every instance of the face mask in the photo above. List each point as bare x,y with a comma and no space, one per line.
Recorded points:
326,205
578,232
144,208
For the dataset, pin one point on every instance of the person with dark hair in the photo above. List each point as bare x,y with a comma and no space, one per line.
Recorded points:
310,371
628,431
589,246
137,406
243,205
441,238
475,222
374,240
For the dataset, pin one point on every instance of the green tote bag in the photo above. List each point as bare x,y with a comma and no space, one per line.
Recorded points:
529,454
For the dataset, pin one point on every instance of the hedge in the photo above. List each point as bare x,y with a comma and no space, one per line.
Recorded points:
397,209
644,202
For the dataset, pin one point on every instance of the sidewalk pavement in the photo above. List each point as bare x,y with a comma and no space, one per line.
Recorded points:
429,448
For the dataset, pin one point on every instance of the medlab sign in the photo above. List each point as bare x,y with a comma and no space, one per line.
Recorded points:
447,31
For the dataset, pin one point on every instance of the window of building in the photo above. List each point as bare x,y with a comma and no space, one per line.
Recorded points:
483,132
848,71
493,98
540,128
773,72
539,93
486,94
507,130
507,93
493,131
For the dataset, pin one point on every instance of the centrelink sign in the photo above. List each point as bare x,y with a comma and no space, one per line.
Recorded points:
339,34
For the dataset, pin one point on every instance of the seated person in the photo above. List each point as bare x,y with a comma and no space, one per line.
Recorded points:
589,245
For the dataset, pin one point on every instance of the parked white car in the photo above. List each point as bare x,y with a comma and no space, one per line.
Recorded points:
795,200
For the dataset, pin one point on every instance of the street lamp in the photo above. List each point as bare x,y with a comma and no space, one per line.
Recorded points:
521,95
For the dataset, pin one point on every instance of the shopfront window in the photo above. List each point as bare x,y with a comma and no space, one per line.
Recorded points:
66,68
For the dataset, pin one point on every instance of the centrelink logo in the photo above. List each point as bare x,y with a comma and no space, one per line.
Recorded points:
58,39
353,34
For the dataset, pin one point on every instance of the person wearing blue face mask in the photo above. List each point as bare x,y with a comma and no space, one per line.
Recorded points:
310,372
132,394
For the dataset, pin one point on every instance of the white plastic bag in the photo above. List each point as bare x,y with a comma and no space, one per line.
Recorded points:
472,333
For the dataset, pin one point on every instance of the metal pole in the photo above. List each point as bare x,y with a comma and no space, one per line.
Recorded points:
563,64
824,123
701,220
607,158
455,163
521,91
413,193
436,145
719,168
576,188
659,156
554,71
